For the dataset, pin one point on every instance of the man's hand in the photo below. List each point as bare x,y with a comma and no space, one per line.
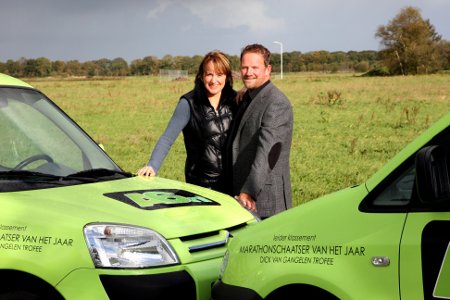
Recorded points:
246,201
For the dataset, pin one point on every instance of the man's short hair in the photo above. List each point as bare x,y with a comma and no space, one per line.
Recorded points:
259,49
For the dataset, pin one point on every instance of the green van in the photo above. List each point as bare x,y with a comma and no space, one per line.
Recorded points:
388,238
74,225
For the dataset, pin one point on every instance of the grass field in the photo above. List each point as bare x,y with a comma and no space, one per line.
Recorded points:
345,126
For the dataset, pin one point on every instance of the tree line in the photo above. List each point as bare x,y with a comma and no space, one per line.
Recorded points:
410,45
323,61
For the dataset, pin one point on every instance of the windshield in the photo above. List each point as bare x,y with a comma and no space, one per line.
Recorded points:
37,138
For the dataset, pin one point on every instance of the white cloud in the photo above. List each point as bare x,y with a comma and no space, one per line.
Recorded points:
161,6
230,14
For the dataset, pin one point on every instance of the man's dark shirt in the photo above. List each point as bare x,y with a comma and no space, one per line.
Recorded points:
246,99
248,96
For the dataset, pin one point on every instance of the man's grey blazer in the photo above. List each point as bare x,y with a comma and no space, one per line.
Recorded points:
261,149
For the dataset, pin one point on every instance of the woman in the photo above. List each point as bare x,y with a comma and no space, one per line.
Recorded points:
204,115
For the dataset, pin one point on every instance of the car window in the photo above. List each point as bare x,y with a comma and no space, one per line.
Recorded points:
27,132
37,136
399,192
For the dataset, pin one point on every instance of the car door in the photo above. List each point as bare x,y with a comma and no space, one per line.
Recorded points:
424,250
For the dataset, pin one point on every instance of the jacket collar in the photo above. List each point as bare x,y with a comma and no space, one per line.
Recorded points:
255,92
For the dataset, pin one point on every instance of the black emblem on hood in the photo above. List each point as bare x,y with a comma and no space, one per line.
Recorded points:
160,198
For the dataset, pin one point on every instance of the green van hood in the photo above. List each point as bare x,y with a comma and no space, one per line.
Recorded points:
148,202
8,80
303,220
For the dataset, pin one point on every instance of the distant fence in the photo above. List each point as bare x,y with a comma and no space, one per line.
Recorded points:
173,74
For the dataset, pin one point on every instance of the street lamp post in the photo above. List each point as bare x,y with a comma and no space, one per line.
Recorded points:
281,56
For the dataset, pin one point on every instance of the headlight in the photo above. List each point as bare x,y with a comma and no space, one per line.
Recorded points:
121,246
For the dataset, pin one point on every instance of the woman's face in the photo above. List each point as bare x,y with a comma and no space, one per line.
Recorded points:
213,80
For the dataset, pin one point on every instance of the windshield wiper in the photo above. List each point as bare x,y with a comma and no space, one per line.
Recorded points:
100,173
14,180
92,175
23,173
38,177
23,180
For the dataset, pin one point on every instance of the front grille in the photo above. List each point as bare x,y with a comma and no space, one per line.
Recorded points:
175,285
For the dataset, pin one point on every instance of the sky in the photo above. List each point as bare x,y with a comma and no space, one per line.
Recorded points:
87,30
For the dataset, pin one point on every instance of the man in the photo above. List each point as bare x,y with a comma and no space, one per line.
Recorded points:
261,139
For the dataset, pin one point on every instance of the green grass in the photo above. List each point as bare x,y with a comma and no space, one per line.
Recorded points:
345,127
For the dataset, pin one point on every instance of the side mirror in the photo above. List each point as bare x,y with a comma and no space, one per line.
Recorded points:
432,174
